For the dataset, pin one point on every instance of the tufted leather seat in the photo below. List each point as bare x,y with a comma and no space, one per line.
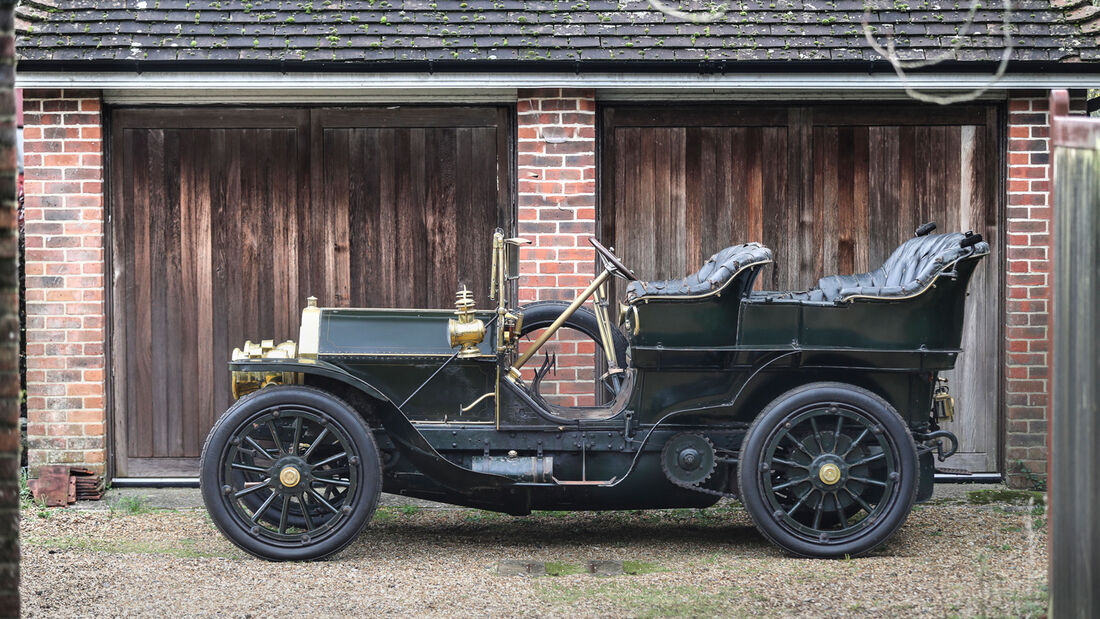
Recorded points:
907,271
716,272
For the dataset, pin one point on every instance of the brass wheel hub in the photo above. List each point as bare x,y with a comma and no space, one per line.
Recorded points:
289,476
829,474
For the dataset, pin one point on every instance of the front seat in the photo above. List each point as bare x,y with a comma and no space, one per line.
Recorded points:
716,273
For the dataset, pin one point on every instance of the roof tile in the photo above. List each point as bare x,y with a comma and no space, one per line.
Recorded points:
489,31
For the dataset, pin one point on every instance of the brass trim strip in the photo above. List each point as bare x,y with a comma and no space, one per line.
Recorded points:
471,405
396,354
603,322
569,311
918,293
496,399
402,310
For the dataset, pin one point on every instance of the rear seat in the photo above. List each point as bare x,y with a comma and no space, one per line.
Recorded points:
908,271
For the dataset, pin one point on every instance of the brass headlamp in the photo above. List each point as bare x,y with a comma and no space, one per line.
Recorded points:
467,331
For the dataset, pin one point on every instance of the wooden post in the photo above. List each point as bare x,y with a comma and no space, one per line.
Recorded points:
1074,444
9,325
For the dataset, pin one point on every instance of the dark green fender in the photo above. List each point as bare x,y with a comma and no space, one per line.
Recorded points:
397,426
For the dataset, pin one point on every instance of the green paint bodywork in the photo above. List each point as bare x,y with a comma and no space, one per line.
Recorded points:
708,364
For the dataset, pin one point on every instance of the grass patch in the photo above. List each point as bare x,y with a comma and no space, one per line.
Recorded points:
638,599
1005,495
384,514
482,516
1036,604
558,568
637,568
25,499
130,505
551,514
183,548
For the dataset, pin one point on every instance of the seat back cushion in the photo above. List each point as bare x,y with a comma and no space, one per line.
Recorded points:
714,275
908,270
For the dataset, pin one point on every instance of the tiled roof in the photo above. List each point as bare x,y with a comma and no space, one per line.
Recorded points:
496,31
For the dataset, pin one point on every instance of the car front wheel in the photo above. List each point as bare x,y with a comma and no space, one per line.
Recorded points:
290,473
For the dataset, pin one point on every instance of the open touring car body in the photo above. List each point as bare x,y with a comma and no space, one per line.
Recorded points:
707,356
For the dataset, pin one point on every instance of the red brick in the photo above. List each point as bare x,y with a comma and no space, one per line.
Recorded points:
571,148
82,146
1018,118
1028,172
535,147
1027,145
558,104
1027,226
1028,199
42,147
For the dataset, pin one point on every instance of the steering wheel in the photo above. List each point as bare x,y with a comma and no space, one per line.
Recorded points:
613,260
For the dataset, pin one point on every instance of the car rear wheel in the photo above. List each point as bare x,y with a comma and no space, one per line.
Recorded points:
290,473
828,470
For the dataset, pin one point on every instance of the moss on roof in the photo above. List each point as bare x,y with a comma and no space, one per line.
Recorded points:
490,31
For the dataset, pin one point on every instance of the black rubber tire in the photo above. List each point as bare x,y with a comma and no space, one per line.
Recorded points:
541,314
339,414
775,415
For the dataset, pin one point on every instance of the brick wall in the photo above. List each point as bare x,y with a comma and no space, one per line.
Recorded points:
63,213
556,179
1027,311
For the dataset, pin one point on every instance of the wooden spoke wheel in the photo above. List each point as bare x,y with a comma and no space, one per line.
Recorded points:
290,473
828,470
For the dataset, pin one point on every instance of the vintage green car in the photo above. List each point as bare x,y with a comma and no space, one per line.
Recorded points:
818,409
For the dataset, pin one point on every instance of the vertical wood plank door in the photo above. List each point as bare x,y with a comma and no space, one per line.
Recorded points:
830,189
679,185
409,202
224,220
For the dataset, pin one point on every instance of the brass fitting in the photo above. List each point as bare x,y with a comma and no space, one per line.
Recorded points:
467,331
829,474
511,328
266,349
244,383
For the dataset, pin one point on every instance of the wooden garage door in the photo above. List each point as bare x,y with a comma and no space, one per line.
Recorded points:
225,220
830,189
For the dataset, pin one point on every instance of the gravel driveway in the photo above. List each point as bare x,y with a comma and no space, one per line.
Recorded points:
950,559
